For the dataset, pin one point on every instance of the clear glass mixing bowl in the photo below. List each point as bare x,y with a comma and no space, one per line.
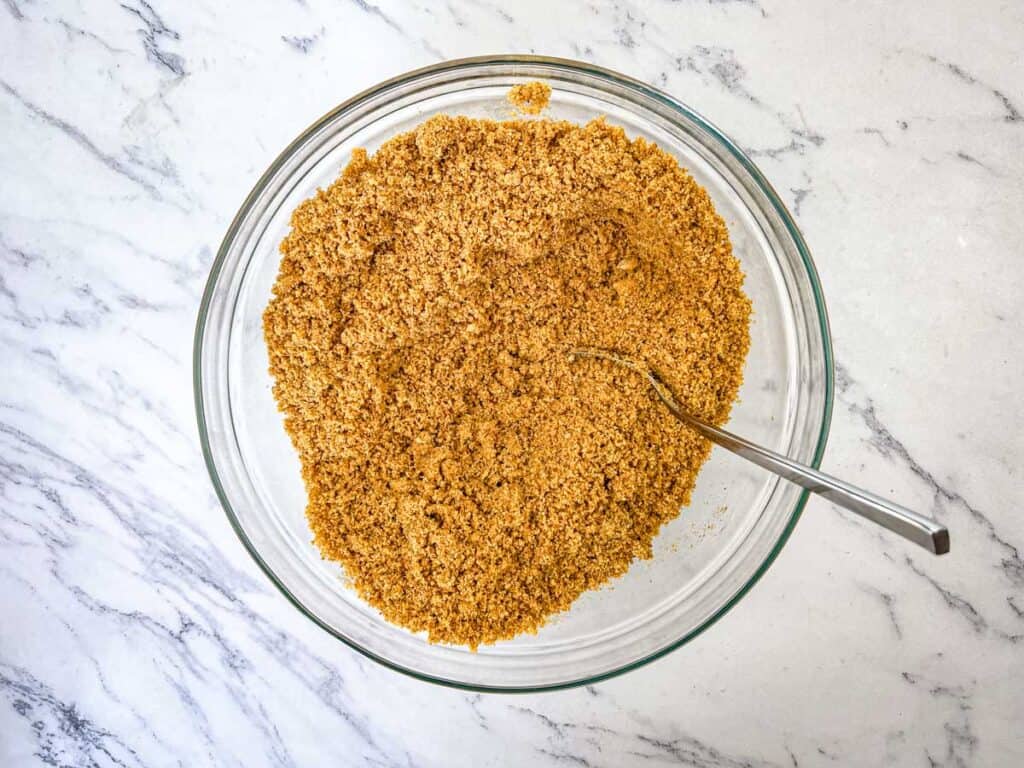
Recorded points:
705,560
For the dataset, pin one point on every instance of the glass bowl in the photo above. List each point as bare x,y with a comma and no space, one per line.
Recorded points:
705,560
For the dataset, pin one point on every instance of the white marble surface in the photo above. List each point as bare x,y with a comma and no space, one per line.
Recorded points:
136,631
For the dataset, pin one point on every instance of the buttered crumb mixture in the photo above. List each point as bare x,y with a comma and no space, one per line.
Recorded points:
470,477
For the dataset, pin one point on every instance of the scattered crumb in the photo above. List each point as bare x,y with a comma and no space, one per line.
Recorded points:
530,98
470,477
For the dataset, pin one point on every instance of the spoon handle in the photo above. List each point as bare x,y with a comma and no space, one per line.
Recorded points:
907,523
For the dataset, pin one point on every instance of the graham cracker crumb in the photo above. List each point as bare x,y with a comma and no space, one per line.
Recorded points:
530,98
470,477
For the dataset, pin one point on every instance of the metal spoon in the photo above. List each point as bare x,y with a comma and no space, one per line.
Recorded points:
908,524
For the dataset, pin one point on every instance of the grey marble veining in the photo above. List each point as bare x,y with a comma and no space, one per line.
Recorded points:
135,630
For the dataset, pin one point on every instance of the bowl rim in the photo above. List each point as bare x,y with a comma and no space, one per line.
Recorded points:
473,63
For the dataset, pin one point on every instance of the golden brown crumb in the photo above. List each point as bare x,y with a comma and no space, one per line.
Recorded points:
471,478
530,98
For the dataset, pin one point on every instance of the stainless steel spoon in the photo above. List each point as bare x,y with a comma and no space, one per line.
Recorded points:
908,524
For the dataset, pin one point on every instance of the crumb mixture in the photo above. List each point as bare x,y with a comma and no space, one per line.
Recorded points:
530,98
469,475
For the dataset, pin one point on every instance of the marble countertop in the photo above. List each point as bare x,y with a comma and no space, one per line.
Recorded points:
137,632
